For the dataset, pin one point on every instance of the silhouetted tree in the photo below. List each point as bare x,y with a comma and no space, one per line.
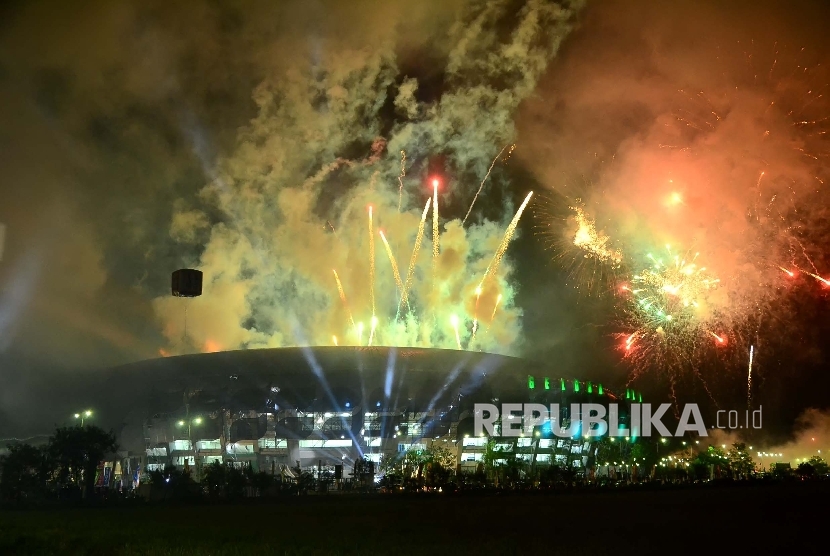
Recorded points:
173,482
24,473
214,479
805,470
261,482
76,452
819,465
740,461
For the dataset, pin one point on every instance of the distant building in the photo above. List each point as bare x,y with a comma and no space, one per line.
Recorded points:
273,408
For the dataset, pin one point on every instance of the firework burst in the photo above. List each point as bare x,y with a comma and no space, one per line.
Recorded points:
432,307
739,174
592,257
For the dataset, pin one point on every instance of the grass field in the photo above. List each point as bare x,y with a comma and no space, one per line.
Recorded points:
760,519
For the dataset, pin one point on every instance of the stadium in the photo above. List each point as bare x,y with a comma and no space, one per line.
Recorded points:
326,407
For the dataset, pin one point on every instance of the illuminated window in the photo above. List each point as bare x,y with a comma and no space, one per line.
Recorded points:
311,443
209,445
338,443
273,443
477,441
239,449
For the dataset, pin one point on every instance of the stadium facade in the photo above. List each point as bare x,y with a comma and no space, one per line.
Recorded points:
324,407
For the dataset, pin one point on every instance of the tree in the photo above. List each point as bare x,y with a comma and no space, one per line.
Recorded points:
819,465
805,470
235,482
713,458
306,481
24,473
417,468
76,453
260,481
173,482
740,461
214,479
643,453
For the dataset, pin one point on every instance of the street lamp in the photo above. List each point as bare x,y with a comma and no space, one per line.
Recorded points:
83,415
196,421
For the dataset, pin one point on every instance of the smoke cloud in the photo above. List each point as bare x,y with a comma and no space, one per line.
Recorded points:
291,203
702,127
812,438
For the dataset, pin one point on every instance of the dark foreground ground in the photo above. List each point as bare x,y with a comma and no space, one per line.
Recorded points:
757,519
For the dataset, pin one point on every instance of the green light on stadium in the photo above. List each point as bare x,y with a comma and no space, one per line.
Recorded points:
590,388
562,383
547,383
576,386
600,389
531,383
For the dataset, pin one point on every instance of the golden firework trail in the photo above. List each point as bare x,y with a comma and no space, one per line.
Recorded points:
481,185
371,261
749,377
789,273
343,297
719,339
435,238
475,316
334,339
508,235
372,329
492,316
823,281
394,264
400,179
410,273
496,306
454,323
629,342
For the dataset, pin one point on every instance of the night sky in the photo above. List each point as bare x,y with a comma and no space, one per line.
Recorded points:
141,137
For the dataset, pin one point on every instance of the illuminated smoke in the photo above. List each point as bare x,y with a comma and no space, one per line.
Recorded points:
277,198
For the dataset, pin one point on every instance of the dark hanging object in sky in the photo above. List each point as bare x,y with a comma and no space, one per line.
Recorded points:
187,283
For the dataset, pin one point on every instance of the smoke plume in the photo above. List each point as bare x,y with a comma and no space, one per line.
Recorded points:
290,205
708,136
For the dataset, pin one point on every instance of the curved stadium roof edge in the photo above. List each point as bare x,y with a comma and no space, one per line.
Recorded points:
336,366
